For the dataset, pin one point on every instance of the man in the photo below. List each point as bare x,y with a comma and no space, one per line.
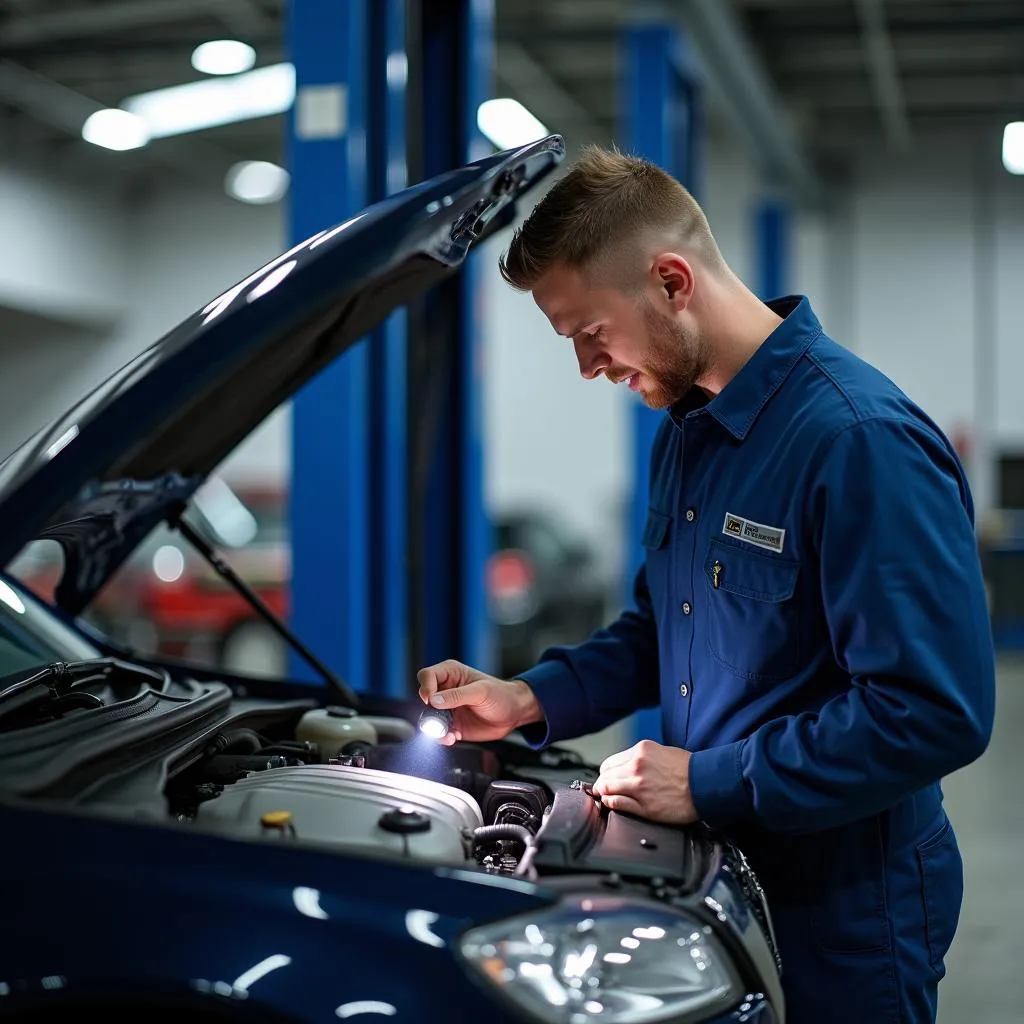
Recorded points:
810,618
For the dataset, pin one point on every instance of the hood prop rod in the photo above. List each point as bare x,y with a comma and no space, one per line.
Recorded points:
338,685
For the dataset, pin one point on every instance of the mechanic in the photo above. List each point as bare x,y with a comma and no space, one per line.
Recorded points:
810,618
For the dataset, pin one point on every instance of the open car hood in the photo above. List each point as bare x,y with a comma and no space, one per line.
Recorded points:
130,453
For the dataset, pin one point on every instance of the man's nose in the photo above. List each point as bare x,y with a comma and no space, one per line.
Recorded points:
591,359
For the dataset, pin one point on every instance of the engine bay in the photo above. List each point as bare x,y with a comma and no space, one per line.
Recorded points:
376,785
130,741
136,741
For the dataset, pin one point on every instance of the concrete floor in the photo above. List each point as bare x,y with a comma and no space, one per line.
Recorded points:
985,802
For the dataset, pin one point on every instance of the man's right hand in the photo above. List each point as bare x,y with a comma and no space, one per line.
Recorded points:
484,707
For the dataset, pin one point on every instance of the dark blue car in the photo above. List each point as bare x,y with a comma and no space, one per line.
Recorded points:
178,844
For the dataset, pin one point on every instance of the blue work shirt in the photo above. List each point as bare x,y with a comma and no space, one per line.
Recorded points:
811,616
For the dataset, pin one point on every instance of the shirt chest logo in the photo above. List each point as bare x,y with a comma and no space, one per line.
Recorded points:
772,538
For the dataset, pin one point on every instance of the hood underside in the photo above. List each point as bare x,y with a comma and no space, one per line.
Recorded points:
133,451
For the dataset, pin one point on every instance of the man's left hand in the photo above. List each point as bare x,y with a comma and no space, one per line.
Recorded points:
649,780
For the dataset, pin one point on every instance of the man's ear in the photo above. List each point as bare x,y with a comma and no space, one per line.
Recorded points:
674,280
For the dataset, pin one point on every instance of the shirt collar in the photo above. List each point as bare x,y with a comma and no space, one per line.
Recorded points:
738,404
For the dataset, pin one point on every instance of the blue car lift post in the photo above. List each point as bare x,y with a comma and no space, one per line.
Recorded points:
388,535
772,220
451,537
662,121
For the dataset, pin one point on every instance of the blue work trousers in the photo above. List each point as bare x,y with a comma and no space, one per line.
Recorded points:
864,914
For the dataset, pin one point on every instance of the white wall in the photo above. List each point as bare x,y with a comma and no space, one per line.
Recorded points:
1009,316
64,250
919,310
94,282
186,248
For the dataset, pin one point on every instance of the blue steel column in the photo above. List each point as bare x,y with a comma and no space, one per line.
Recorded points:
330,444
388,369
771,241
662,121
457,58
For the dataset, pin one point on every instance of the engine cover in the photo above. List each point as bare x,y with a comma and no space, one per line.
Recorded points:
342,806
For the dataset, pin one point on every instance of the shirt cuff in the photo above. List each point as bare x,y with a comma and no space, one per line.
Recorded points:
561,699
717,786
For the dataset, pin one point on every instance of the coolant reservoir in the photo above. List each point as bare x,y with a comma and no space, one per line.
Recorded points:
334,729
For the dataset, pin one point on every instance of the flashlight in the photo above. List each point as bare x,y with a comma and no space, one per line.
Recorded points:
436,723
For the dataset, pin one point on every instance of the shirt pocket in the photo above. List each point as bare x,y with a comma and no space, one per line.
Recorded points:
752,616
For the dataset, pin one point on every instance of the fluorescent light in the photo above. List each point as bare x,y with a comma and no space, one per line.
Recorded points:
168,563
256,181
1013,147
11,599
249,978
507,123
362,1006
223,57
307,901
215,101
418,925
62,442
116,129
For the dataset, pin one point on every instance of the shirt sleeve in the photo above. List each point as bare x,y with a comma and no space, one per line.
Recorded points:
907,614
589,686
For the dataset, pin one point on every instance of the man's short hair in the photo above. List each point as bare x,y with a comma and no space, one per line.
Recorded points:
597,217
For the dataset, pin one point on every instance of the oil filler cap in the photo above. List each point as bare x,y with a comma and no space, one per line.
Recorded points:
278,821
404,820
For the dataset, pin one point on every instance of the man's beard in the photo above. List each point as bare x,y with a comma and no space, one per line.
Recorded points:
675,359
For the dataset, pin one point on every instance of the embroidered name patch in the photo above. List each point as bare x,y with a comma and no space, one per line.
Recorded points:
770,537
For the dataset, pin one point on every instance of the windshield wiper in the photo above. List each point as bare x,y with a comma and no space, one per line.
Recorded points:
51,690
343,691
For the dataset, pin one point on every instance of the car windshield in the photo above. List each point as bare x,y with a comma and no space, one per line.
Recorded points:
32,635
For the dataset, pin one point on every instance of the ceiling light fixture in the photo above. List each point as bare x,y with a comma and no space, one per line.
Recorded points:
1013,147
116,129
507,123
223,57
215,101
257,181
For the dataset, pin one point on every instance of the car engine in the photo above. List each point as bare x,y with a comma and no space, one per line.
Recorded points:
372,785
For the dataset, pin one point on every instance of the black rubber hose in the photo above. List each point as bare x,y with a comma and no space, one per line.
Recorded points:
491,833
237,741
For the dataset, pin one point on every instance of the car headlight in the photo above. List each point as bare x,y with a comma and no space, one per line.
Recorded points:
607,959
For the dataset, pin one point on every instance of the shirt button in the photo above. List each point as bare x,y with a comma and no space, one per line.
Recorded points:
683,689
690,515
686,608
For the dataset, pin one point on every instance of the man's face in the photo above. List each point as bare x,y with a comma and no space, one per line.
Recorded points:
626,338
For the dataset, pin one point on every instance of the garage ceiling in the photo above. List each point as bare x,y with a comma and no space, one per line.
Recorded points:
845,75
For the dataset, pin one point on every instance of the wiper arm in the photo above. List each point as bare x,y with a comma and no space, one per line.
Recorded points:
343,691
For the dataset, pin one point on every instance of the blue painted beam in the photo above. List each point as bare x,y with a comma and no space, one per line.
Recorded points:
387,161
329,507
772,225
662,121
452,535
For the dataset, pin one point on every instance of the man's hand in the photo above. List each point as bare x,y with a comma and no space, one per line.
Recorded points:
649,780
483,707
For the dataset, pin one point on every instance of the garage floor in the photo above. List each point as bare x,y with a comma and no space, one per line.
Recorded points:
986,804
